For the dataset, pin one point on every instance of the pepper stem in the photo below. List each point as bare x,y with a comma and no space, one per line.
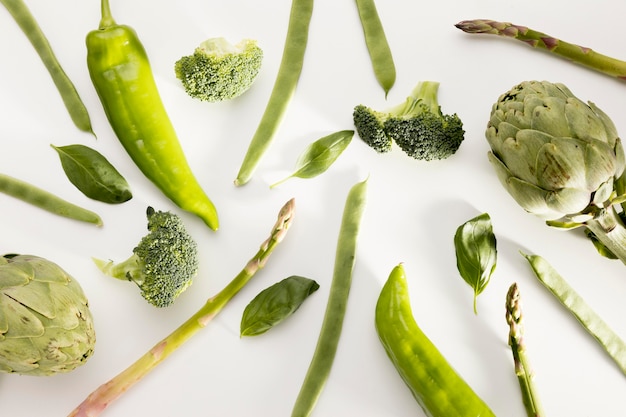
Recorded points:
107,18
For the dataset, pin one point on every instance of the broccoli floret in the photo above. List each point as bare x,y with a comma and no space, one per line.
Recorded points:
164,262
370,126
218,70
417,126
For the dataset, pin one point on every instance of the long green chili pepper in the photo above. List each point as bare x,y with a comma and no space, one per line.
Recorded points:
284,87
437,387
45,200
122,76
328,340
72,101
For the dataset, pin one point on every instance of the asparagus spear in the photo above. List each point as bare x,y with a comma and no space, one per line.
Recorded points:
575,53
103,396
518,346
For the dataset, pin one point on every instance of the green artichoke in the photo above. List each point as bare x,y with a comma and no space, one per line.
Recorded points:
560,159
45,323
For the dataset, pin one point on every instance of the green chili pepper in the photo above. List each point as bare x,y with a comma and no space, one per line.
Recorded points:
122,76
437,387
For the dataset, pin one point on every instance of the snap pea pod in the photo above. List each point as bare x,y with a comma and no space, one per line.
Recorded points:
45,200
328,340
284,87
610,341
437,387
121,74
72,101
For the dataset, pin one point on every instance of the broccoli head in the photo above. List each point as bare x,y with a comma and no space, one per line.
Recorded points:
163,263
218,70
417,126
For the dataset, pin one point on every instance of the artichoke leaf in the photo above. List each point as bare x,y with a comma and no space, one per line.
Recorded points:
561,164
47,271
35,296
530,197
12,277
568,201
600,160
620,157
519,153
19,355
604,194
584,123
546,115
611,136
68,306
21,322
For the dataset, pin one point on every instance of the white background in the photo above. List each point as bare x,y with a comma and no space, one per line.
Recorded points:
412,211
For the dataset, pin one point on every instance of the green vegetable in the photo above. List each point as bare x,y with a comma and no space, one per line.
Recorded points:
417,126
332,324
523,370
29,25
46,326
377,45
476,252
163,263
218,70
284,88
438,389
574,53
45,200
106,394
93,174
320,155
275,303
610,341
122,76
559,158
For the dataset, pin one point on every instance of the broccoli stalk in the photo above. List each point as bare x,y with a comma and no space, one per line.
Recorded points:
102,397
218,70
164,262
417,126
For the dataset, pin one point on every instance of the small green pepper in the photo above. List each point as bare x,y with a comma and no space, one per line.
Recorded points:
437,387
122,76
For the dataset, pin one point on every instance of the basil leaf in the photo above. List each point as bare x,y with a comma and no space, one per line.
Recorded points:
275,303
93,174
476,252
320,155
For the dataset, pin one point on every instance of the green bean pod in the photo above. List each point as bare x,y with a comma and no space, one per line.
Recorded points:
437,387
71,99
123,78
283,90
377,44
45,200
337,304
